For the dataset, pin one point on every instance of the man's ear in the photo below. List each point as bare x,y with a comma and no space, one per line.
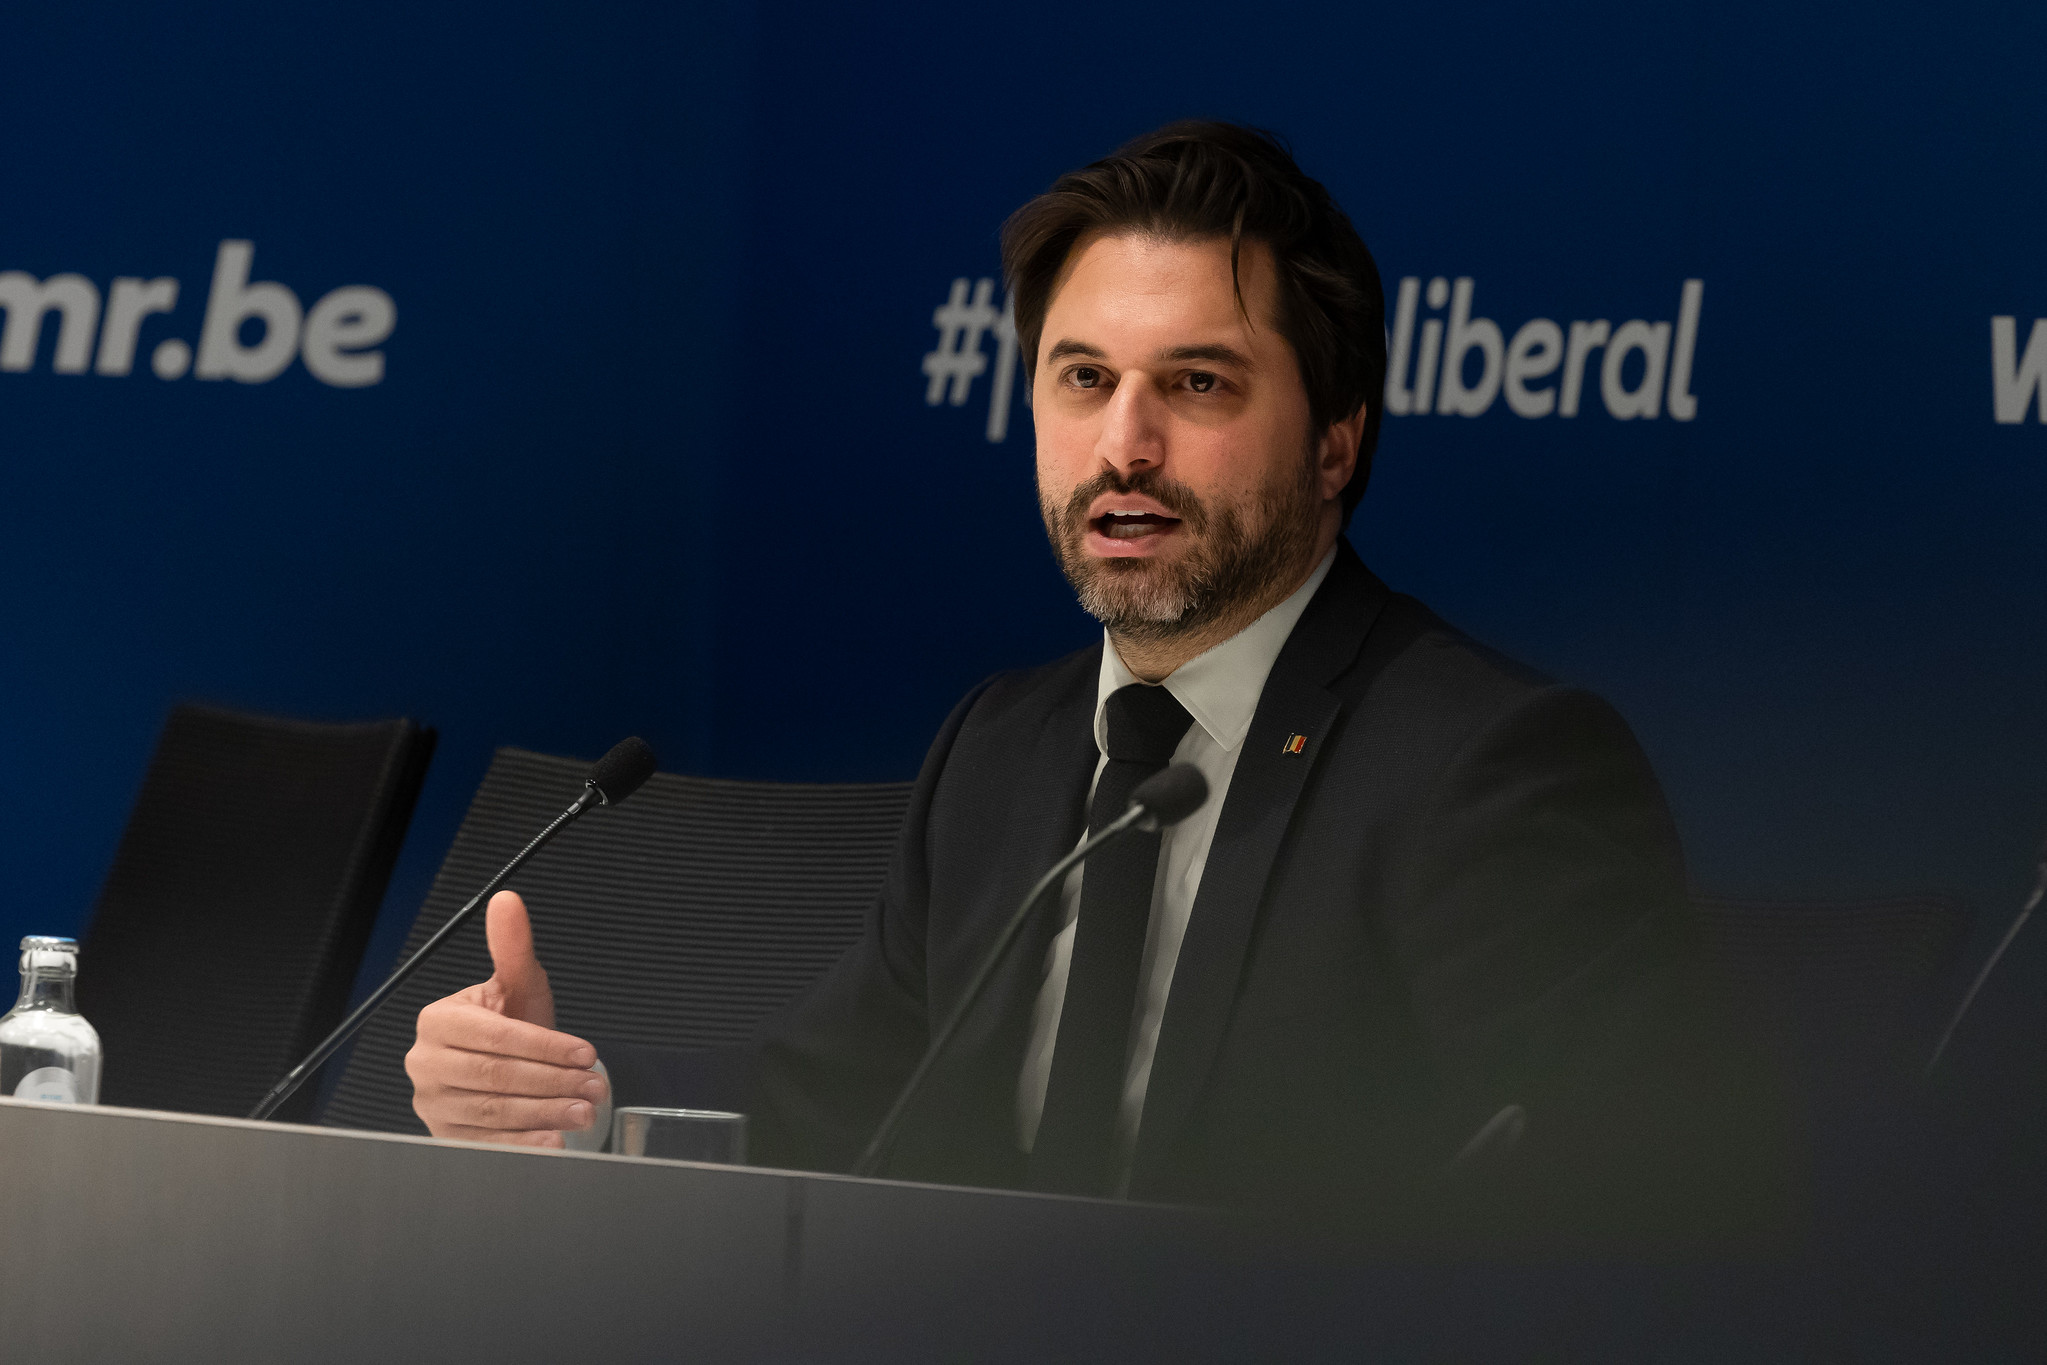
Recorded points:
1337,458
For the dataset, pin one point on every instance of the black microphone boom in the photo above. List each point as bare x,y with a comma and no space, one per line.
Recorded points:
1164,798
2018,922
612,779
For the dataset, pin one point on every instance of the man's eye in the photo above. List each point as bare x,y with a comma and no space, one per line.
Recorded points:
1086,376
1201,381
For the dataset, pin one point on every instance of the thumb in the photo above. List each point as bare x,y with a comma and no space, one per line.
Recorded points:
516,973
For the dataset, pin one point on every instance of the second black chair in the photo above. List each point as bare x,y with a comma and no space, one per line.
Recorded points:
670,926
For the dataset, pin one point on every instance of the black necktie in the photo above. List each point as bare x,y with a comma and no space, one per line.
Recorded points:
1074,1152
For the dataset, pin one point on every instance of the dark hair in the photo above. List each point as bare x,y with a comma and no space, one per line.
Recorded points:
1201,179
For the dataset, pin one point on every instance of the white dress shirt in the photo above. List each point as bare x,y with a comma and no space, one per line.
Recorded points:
1220,689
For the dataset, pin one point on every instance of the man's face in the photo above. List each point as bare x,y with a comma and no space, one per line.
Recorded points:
1179,478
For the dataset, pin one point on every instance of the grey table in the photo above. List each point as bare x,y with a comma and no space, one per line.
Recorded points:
134,1236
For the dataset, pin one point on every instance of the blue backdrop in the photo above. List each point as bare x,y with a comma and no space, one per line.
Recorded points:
650,450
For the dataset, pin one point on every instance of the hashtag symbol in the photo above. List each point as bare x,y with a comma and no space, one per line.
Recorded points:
960,325
1005,372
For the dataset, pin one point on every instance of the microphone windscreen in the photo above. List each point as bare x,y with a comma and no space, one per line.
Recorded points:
1173,795
619,773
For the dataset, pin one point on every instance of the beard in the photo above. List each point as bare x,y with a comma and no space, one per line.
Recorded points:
1236,557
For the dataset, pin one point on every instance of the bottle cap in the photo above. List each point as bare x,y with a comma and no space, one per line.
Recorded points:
42,953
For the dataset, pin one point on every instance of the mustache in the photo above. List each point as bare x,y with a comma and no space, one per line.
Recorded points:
1176,498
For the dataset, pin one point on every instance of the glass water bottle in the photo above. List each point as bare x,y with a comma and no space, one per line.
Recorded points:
47,1051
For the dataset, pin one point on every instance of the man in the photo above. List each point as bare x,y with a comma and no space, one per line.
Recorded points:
1428,883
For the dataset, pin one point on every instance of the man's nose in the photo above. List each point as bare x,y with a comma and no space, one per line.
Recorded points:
1133,437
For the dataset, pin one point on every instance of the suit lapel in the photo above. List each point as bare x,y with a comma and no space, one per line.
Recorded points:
1049,812
1284,744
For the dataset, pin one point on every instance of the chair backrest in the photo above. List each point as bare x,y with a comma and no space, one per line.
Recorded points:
1843,993
239,902
676,921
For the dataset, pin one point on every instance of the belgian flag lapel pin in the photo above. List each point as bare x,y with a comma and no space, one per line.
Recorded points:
1294,744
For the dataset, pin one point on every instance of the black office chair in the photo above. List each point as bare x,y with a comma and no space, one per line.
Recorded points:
1845,996
670,925
240,900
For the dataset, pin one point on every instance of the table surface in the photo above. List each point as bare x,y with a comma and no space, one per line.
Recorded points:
133,1235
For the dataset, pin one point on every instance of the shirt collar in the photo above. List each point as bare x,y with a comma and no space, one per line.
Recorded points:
1221,686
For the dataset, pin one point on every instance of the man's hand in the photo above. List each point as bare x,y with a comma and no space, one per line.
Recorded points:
487,1065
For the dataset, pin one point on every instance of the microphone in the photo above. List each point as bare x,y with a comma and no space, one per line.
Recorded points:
2018,922
621,772
1165,798
1495,1140
1168,797
612,779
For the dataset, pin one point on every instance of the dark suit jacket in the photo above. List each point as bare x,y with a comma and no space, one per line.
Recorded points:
1464,892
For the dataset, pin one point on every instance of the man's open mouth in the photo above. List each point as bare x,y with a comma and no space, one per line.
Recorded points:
1132,525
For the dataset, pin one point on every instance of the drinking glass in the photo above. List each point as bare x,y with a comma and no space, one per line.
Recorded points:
680,1134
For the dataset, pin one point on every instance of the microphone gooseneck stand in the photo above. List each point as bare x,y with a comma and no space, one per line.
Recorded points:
619,773
1179,784
2018,922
